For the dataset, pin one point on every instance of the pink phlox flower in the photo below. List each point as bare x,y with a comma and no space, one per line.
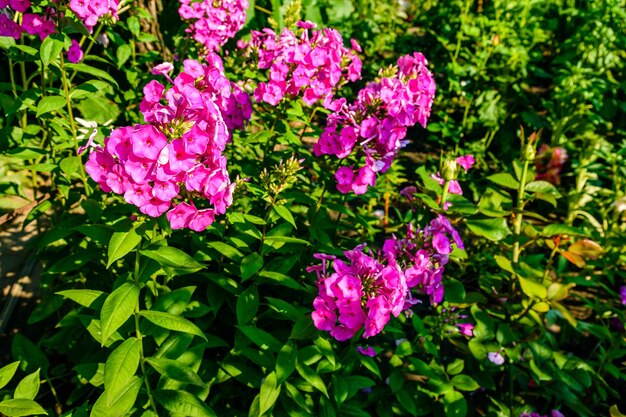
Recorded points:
366,351
466,161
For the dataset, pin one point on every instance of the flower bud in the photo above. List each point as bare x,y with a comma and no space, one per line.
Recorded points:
450,168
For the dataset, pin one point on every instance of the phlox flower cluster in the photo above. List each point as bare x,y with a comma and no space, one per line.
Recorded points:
368,288
232,101
40,24
213,22
90,11
377,121
309,64
175,159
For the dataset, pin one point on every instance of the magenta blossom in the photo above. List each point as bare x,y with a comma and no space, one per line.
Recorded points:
74,53
366,351
367,289
175,164
466,329
375,125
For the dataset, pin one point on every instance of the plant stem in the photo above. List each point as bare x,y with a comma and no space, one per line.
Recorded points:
70,113
140,339
444,194
521,190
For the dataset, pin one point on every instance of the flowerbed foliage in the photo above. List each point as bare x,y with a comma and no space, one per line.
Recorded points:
317,208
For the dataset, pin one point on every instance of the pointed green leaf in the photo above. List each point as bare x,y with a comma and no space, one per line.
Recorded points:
117,308
261,338
92,71
122,243
269,393
284,212
533,289
504,179
492,229
175,370
250,265
247,305
50,103
465,383
50,50
19,407
7,372
286,361
86,298
117,405
171,322
121,366
311,377
28,387
183,403
173,258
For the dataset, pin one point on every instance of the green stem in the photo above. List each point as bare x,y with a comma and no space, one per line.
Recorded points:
444,194
521,190
70,113
142,359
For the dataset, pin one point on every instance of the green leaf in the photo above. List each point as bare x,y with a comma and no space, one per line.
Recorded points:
173,258
123,53
455,367
311,377
465,383
250,265
561,229
286,361
121,366
261,338
86,298
117,308
29,354
226,250
50,50
533,289
504,179
171,322
70,164
284,212
118,405
87,69
98,108
406,400
247,305
175,370
122,243
492,229
28,387
7,372
19,407
543,187
454,404
270,391
182,403
504,263
50,103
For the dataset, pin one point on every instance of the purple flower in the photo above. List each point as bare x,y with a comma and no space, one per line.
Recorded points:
366,351
495,358
622,294
466,161
466,329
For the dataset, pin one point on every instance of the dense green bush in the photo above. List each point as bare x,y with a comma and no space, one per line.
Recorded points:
139,318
